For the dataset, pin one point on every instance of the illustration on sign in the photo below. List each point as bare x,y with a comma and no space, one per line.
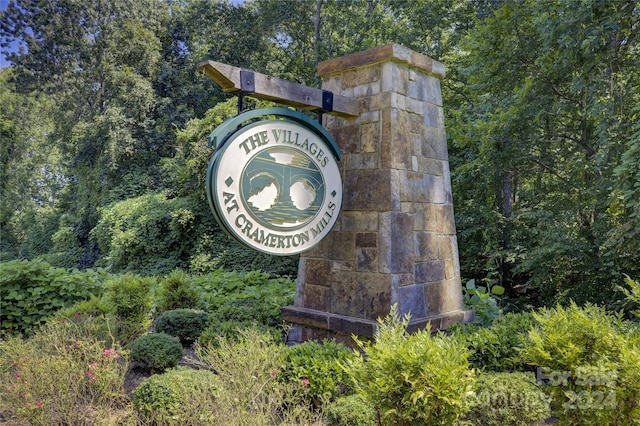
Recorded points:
273,181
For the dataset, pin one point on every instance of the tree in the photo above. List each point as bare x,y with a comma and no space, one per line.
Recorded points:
551,86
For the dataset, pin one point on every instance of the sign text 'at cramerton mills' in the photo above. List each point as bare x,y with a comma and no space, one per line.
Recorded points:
274,184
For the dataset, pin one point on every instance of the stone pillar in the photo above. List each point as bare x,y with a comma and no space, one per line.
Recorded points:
395,240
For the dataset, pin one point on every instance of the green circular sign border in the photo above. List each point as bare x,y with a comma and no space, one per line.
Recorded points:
224,132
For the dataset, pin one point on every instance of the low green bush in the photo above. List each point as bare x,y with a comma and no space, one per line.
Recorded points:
156,351
588,363
32,291
511,399
176,291
185,324
319,365
130,295
412,378
177,397
350,410
496,348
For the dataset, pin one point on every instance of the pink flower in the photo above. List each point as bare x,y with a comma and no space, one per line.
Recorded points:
111,353
90,375
273,374
305,381
18,376
92,365
38,404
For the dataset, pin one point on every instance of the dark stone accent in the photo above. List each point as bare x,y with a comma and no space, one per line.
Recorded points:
318,272
316,297
366,189
428,272
367,239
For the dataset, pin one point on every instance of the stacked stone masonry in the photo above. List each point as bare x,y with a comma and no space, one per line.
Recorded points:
395,240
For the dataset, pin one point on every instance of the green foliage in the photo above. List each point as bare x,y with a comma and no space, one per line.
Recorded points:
177,397
177,292
632,294
588,364
156,351
151,234
130,295
243,300
350,410
508,399
481,300
319,365
31,292
248,367
62,375
185,324
496,348
412,377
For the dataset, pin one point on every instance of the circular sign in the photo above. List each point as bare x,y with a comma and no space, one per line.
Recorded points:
275,185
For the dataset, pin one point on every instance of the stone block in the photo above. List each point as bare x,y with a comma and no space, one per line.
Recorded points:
318,272
346,294
412,301
446,219
396,243
370,139
433,116
350,326
362,161
338,245
360,76
430,166
377,294
426,246
430,271
394,78
359,220
367,190
367,239
400,280
367,259
443,296
434,143
316,297
430,217
347,138
366,90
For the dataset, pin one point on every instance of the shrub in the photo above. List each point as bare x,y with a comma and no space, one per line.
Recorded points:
177,292
243,300
350,410
156,351
508,399
481,300
248,367
319,365
130,295
412,377
178,396
588,365
496,348
61,375
31,292
185,324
